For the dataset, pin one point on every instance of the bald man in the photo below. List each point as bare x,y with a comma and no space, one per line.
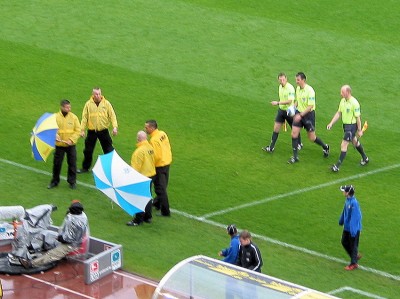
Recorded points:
143,161
349,111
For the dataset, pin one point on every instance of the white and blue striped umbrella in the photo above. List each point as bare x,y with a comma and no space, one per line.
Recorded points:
121,183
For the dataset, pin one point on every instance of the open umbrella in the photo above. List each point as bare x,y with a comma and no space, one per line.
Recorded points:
43,137
121,183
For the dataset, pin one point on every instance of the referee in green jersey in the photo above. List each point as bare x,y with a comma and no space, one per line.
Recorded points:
286,98
349,111
305,117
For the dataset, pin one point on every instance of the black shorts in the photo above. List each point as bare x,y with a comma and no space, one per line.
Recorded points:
349,132
281,116
307,122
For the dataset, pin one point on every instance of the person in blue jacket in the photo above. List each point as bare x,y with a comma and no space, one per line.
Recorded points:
231,253
350,219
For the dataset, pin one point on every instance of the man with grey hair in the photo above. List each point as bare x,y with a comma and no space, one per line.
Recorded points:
349,111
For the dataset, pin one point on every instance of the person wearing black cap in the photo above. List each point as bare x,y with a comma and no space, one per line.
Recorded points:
231,253
70,236
350,219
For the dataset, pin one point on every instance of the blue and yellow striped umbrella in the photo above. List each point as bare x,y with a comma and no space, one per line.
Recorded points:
43,139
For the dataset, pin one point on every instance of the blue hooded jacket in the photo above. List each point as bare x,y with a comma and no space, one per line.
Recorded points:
231,254
351,216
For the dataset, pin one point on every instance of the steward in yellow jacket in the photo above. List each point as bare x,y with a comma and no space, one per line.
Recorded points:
66,139
97,116
163,158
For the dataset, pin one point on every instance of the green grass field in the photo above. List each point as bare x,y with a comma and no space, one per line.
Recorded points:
206,70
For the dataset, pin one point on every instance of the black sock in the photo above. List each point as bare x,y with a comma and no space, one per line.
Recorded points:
360,149
319,142
295,142
273,139
341,158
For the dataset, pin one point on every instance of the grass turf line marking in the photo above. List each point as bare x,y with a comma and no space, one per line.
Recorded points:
57,286
280,196
357,291
261,237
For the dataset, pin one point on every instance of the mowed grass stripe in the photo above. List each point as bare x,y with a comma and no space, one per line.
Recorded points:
214,49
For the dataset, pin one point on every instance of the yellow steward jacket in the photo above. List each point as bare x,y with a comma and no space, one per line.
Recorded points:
99,117
162,148
68,128
143,159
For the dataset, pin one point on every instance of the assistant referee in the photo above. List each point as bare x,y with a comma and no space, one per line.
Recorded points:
349,110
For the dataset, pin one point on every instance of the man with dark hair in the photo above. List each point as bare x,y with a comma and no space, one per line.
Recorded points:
349,111
231,253
305,117
249,254
286,99
350,219
163,157
70,237
97,115
66,139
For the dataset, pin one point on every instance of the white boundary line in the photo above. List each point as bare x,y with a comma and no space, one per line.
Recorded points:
137,278
357,291
56,286
280,196
264,238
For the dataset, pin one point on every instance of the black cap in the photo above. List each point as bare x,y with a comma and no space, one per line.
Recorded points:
231,229
348,189
76,208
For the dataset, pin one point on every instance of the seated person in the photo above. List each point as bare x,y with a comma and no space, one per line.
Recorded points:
70,237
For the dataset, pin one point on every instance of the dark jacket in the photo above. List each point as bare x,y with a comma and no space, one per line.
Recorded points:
250,257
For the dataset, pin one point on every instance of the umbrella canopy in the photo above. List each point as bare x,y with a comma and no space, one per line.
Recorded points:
121,183
43,139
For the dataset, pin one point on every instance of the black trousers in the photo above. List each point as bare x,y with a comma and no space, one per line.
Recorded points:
147,214
160,188
90,143
350,244
71,161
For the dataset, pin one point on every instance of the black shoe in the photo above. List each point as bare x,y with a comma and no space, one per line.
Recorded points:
52,185
293,160
25,263
148,220
82,170
364,162
268,149
334,168
72,186
325,151
133,223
